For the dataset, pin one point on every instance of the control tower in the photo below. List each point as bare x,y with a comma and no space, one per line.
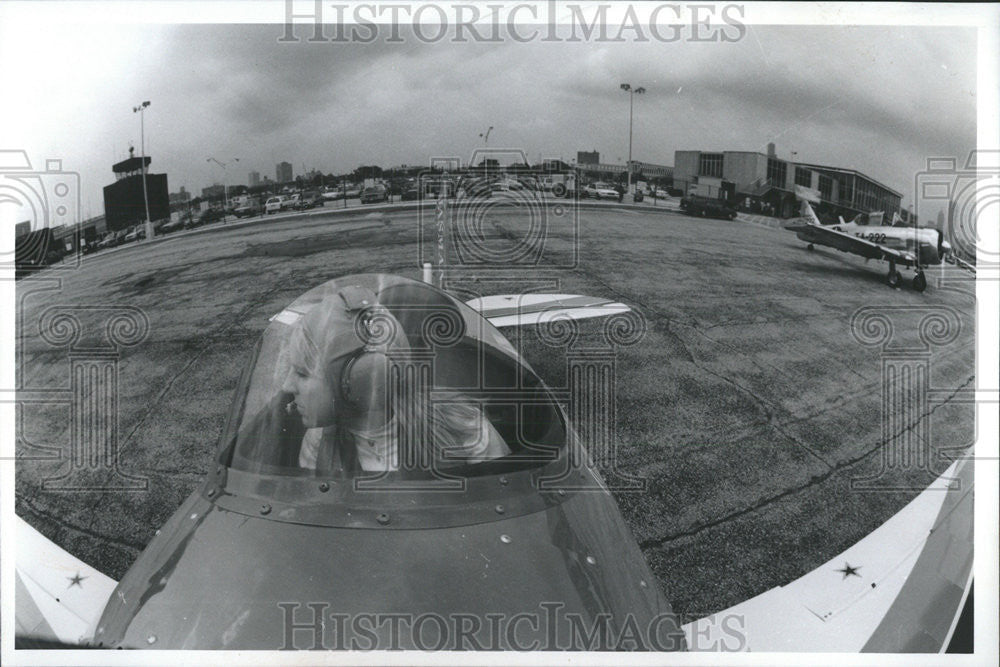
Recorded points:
124,205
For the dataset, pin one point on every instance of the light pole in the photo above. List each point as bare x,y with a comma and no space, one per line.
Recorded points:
632,92
141,110
225,181
485,136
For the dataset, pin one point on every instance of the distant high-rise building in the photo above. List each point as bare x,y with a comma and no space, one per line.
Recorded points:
214,190
283,172
180,197
583,157
254,178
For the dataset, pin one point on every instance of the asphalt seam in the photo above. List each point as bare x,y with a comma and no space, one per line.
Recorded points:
89,532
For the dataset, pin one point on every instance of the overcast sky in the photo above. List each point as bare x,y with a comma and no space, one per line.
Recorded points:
877,99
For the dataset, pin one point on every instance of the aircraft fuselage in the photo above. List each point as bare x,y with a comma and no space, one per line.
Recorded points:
923,242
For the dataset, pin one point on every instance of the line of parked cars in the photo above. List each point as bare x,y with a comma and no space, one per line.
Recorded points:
292,202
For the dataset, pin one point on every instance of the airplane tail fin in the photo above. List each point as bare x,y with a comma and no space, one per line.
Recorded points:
808,213
806,195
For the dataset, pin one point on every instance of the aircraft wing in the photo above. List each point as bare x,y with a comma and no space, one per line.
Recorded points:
58,597
508,310
849,243
900,589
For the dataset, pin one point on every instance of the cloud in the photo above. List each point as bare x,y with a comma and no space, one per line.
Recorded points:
879,99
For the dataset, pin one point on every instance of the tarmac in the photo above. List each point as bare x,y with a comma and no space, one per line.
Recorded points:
751,407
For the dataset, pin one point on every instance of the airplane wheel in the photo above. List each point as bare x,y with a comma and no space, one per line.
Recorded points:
810,247
894,279
920,281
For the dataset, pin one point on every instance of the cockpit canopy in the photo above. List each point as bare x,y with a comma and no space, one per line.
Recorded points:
378,374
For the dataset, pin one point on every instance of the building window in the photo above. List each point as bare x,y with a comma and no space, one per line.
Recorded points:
803,177
710,164
825,187
777,171
846,195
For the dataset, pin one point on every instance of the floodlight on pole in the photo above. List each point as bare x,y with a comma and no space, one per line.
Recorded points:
632,92
141,110
225,180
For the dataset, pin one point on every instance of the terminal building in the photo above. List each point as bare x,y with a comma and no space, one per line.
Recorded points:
85,232
640,171
762,183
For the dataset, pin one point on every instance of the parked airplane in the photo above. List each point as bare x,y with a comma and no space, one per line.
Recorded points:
908,246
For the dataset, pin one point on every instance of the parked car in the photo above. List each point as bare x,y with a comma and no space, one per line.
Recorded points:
352,192
374,194
250,208
273,205
411,193
708,207
136,233
290,201
212,215
434,188
173,225
600,191
476,186
309,199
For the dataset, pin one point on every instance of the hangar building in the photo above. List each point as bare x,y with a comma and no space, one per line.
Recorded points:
766,183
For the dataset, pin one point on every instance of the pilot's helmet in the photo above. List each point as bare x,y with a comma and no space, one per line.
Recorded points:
346,339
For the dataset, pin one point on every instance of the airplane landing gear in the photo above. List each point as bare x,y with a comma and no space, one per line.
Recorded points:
894,278
810,247
919,281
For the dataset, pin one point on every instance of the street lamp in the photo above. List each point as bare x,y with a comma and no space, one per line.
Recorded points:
485,136
632,92
225,180
141,110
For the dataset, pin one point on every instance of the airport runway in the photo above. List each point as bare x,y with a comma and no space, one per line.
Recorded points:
748,406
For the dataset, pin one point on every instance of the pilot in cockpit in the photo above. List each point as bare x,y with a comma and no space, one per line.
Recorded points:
333,413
